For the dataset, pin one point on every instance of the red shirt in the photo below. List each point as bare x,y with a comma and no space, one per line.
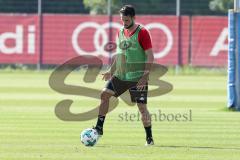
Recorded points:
144,38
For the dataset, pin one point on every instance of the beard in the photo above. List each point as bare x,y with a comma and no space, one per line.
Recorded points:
127,27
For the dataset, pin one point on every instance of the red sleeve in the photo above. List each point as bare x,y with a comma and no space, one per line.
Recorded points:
144,39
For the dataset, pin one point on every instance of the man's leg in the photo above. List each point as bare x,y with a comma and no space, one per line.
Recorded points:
103,109
114,87
146,120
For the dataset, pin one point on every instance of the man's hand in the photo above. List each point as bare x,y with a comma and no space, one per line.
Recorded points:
107,75
143,81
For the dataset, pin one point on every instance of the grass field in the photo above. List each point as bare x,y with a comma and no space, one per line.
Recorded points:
29,128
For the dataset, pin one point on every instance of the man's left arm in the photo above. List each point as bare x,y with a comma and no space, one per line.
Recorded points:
146,44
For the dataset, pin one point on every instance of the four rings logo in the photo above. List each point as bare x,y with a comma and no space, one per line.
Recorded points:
101,31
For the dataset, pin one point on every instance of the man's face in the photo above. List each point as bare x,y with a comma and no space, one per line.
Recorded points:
126,20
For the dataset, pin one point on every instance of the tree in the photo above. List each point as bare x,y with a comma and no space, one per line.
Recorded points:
101,6
221,5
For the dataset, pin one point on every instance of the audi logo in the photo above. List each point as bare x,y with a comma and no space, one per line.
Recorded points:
100,49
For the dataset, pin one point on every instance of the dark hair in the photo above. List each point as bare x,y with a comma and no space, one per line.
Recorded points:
127,10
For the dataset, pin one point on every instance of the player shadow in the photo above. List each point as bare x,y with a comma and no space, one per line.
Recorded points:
176,146
198,147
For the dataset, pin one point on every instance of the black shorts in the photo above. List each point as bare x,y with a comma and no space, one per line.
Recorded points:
118,87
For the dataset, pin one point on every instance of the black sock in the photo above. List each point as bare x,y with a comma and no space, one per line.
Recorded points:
100,121
148,131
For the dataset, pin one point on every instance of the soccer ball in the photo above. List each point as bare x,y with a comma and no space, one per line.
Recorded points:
89,137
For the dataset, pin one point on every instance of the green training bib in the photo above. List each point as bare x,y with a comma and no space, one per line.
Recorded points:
130,58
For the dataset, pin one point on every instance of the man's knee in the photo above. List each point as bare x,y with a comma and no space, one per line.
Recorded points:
142,108
105,95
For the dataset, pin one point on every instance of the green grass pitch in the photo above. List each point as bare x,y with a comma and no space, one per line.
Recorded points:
29,129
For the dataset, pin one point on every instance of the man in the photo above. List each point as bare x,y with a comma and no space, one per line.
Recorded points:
130,70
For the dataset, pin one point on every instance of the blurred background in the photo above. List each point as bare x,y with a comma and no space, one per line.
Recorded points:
156,7
40,33
190,38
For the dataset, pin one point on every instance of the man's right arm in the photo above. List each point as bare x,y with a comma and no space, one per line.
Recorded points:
107,75
113,66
